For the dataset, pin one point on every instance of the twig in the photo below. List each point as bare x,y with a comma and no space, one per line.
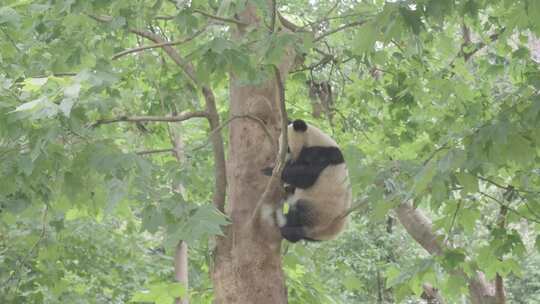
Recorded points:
430,157
506,187
284,123
314,66
274,13
452,223
331,18
346,26
158,45
10,39
246,116
146,152
323,19
230,20
181,117
275,184
164,17
61,74
510,209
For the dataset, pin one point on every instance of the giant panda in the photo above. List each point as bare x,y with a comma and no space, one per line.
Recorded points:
317,181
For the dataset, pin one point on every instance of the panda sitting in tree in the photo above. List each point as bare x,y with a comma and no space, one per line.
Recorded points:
317,181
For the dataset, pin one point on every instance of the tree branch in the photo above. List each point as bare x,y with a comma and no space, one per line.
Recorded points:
218,149
502,204
223,19
211,112
247,116
288,24
343,27
146,152
157,45
181,117
274,184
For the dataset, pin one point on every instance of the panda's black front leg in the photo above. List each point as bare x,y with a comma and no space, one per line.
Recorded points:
301,175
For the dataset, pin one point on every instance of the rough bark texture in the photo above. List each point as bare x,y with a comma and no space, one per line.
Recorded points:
420,228
248,262
247,265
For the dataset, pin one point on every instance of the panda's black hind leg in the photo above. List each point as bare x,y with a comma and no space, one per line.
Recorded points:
297,219
292,234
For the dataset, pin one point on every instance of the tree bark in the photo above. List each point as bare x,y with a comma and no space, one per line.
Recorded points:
181,269
247,262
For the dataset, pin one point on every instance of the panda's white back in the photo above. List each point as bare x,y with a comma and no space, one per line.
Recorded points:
330,198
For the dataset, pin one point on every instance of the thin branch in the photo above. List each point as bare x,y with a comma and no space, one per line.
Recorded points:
158,45
164,17
60,74
223,19
10,39
323,19
274,185
146,152
284,123
331,18
316,65
453,222
245,116
218,149
274,13
343,27
502,204
211,112
430,157
506,187
173,54
177,118
492,38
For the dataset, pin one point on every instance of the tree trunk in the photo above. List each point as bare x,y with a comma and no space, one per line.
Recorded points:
181,268
247,263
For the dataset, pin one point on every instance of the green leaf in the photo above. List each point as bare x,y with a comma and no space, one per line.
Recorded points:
537,243
424,177
9,16
365,39
352,283
453,258
467,218
455,285
468,181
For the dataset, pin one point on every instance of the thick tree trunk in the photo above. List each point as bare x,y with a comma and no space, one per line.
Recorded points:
247,264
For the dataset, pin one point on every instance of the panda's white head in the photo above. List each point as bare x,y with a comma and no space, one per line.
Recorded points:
301,134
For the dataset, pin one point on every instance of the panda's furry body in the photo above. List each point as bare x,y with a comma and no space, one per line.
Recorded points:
317,181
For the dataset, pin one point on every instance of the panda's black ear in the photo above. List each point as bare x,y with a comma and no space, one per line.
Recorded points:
299,125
